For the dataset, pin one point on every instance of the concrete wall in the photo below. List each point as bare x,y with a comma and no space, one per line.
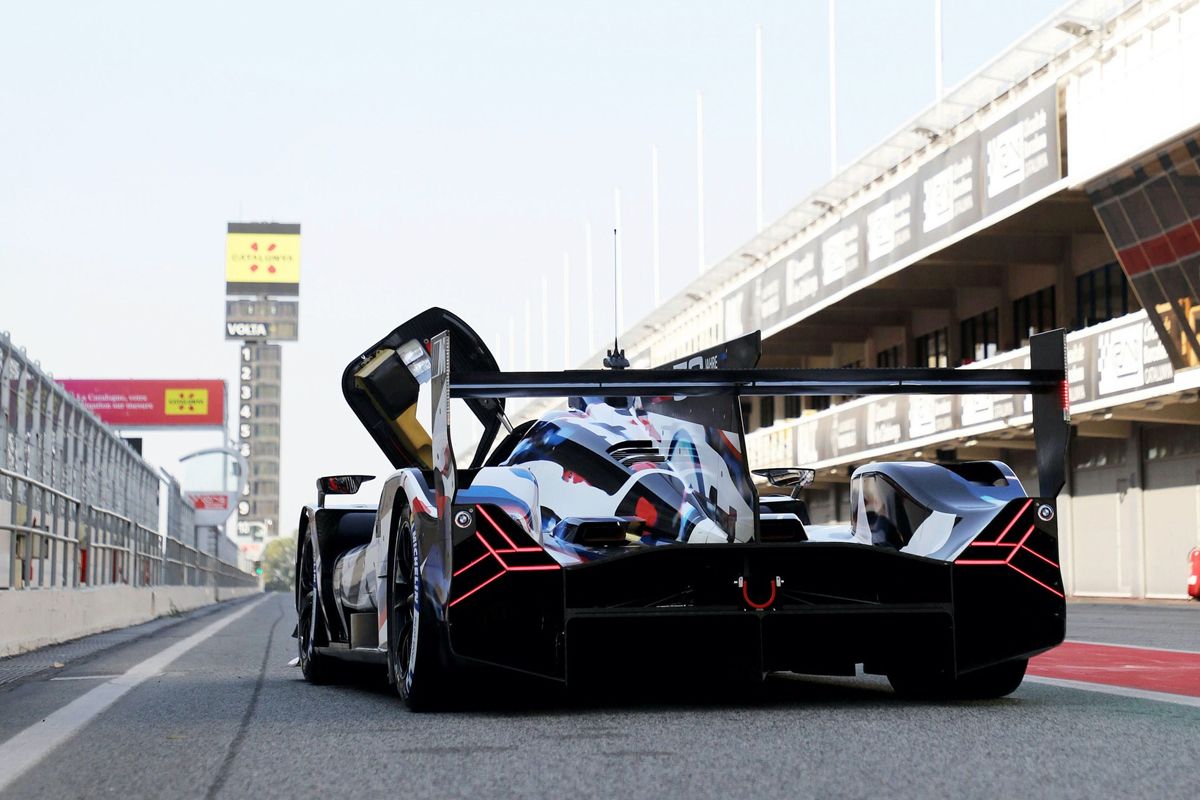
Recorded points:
37,617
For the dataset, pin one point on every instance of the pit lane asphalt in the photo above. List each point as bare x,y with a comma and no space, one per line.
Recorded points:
231,719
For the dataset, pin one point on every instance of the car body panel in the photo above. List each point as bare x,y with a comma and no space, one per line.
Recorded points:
594,538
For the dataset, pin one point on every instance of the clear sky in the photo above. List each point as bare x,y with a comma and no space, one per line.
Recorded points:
435,153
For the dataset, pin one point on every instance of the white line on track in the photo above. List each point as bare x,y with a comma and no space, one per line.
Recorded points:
1121,691
101,677
27,748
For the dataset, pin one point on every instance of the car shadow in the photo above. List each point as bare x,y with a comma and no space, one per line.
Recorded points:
495,693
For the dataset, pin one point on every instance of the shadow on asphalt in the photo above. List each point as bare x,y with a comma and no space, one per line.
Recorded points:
490,693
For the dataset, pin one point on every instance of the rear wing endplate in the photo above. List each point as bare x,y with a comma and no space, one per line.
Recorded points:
1051,412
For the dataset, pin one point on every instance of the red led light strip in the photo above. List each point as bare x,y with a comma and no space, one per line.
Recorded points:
499,556
461,570
455,602
1050,589
1016,548
512,548
1011,522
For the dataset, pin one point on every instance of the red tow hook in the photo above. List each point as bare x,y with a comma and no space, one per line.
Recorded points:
776,582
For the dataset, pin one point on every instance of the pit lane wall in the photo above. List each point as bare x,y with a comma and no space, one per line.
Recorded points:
29,620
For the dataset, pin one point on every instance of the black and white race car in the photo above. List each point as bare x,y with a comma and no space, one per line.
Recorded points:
626,529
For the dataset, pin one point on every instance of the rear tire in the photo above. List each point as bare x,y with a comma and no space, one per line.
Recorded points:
987,683
415,640
317,668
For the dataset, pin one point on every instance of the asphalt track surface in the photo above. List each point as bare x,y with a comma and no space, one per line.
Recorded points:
229,718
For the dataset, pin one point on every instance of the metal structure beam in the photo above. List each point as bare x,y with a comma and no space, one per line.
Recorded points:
755,382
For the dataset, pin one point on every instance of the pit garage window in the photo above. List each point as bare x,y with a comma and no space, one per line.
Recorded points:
889,358
1101,294
980,336
1033,313
933,349
890,513
766,412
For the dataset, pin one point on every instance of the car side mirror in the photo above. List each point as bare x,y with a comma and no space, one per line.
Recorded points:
794,478
339,484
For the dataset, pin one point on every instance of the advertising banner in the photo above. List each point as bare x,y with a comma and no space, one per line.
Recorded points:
786,288
132,403
972,179
262,259
949,191
1102,364
1020,152
276,320
212,508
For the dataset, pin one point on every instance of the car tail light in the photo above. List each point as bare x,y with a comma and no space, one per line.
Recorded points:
492,553
1013,541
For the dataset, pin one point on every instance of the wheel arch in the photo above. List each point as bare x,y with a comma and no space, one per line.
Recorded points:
302,532
406,489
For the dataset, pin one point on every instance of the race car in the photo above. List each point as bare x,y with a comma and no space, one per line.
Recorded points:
622,537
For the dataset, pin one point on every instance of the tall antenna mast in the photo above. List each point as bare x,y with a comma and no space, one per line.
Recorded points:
616,357
591,306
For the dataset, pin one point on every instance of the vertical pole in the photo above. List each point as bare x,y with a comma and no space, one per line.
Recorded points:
545,322
937,49
758,121
699,182
528,336
833,159
591,290
655,224
566,304
162,560
512,343
619,286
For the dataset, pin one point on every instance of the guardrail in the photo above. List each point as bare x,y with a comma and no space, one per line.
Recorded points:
78,506
57,541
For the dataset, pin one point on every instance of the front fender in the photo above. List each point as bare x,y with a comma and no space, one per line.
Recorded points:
307,531
408,488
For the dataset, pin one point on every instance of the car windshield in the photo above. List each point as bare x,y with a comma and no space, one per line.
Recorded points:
890,514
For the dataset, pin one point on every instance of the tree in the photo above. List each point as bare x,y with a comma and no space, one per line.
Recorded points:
279,564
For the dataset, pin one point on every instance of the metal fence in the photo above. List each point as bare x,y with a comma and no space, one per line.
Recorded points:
78,506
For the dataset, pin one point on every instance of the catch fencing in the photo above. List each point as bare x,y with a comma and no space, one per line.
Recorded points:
80,507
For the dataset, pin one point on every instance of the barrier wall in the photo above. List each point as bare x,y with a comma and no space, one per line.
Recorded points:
33,619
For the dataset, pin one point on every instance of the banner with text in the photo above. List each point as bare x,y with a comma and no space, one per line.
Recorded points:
974,178
133,403
1103,363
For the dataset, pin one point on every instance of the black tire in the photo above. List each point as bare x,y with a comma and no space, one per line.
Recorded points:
988,683
317,668
414,653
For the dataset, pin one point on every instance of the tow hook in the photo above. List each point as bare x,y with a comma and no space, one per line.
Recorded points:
744,585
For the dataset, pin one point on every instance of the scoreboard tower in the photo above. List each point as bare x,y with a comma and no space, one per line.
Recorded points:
262,289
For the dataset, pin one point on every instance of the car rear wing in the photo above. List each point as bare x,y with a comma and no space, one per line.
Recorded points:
1045,380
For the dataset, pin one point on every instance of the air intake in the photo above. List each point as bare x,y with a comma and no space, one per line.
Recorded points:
636,452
